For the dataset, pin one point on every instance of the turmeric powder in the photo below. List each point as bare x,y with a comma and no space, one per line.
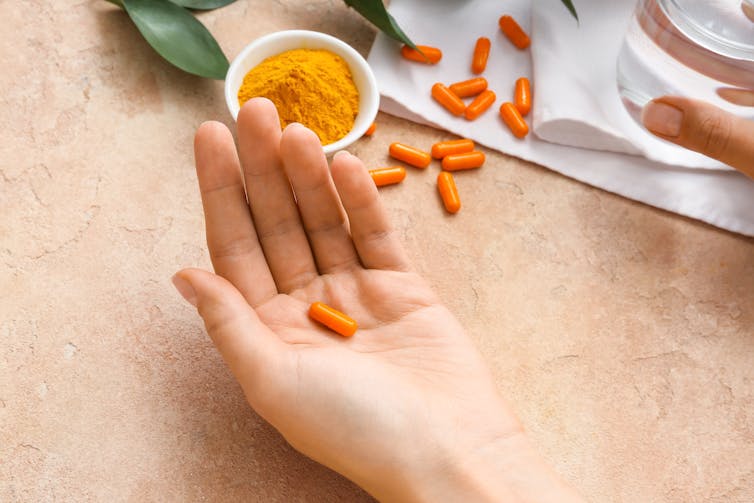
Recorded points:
311,86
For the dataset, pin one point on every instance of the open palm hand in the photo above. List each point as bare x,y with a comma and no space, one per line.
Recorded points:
407,396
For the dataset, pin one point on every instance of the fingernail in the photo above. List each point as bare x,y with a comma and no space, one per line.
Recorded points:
662,119
293,125
185,289
340,153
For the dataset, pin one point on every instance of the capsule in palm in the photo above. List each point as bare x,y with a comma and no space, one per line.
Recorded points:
513,120
333,319
481,54
448,99
388,176
480,105
522,96
448,192
410,155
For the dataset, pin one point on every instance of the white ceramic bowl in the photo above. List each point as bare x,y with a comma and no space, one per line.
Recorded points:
275,43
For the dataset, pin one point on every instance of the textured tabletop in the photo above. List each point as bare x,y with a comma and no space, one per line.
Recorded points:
623,335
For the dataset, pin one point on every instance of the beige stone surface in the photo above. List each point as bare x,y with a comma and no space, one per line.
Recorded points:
624,335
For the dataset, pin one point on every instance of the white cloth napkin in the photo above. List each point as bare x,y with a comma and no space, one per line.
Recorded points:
722,198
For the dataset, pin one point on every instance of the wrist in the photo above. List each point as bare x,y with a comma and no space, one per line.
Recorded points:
504,468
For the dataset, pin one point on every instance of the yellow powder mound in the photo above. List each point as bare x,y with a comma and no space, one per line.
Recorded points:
312,87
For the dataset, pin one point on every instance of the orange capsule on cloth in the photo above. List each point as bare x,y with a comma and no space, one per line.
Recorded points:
445,148
513,120
522,96
371,129
448,192
332,319
410,155
514,32
480,105
448,99
430,56
388,176
481,53
470,87
458,162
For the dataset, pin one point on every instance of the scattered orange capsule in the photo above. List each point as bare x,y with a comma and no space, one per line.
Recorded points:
480,105
333,319
522,96
431,56
448,99
388,176
481,53
448,191
445,148
513,120
470,87
370,131
410,155
514,32
458,162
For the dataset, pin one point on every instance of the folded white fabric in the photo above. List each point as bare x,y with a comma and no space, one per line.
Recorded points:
722,198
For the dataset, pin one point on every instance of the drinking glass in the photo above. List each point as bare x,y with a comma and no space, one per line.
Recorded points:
701,49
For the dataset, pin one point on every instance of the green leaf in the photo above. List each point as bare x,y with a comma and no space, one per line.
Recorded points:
178,37
202,4
375,12
570,7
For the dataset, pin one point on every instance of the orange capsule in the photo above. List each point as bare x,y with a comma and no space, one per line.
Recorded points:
448,191
513,119
444,148
370,131
514,32
410,155
470,87
481,53
448,99
388,176
480,105
332,319
522,96
431,56
458,162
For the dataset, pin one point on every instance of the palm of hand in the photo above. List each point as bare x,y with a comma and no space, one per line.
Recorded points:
409,369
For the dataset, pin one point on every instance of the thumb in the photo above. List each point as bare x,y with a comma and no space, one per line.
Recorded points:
251,350
703,128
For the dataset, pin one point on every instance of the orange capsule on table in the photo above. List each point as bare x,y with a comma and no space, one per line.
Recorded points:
470,87
410,155
448,99
430,56
522,96
458,162
514,32
388,176
480,105
481,53
371,129
513,120
333,319
448,192
445,148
